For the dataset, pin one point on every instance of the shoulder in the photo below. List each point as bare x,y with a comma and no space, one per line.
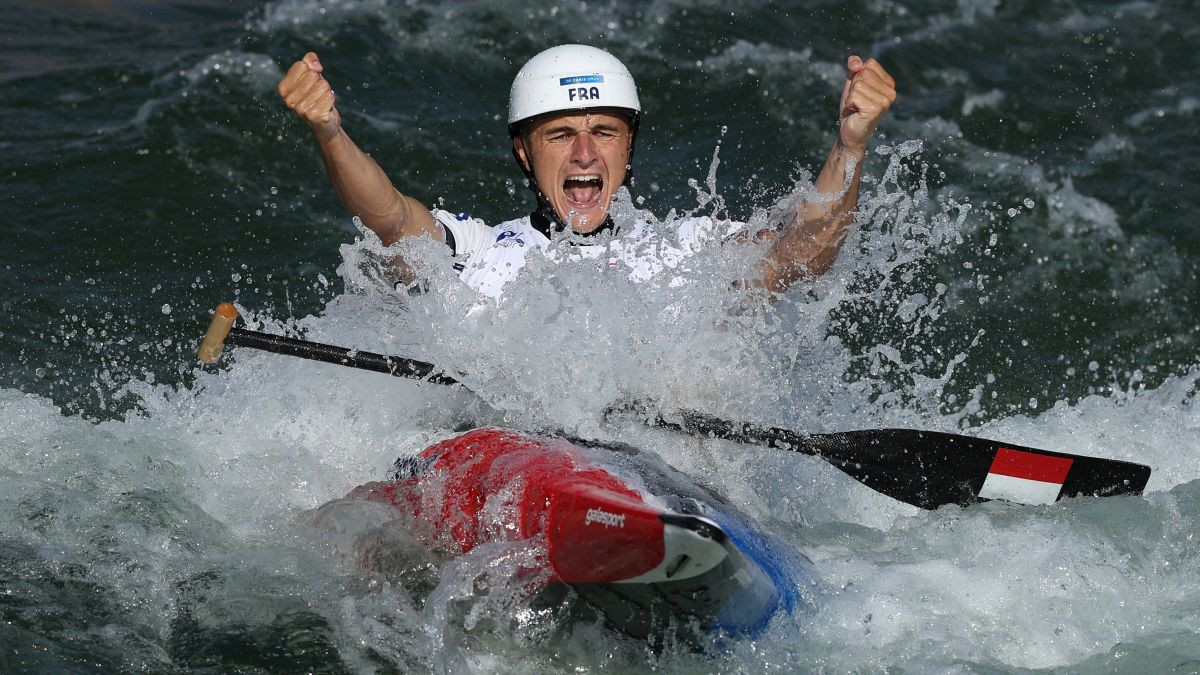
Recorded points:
695,231
458,221
462,222
464,234
706,226
470,236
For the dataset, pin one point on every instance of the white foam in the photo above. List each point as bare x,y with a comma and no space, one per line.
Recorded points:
990,99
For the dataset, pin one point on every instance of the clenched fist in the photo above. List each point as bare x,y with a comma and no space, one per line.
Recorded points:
306,92
868,93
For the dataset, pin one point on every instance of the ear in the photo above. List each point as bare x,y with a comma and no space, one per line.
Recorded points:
521,155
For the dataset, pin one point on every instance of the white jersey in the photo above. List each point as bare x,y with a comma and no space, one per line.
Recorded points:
489,257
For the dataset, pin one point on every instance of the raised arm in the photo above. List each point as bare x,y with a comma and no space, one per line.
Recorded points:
808,245
360,183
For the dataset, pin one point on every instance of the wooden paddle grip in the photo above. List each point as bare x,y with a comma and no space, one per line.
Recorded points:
218,330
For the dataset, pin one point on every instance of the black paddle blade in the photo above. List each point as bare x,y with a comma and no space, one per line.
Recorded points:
930,469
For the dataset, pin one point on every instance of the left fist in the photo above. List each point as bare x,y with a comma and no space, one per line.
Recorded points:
868,93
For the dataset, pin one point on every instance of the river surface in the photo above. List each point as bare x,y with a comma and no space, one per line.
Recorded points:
1023,267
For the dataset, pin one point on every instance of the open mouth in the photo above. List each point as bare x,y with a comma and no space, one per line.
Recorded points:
583,191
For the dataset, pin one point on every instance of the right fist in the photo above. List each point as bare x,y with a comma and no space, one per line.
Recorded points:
307,93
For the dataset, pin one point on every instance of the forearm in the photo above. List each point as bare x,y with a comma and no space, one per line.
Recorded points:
811,240
366,192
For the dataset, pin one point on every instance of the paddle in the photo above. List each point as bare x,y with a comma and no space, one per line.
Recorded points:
923,468
933,468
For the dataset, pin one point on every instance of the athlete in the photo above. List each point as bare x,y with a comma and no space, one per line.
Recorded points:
573,119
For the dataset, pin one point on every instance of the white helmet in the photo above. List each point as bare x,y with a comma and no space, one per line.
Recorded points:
571,77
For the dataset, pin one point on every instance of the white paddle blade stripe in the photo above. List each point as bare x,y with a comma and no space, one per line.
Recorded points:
1025,477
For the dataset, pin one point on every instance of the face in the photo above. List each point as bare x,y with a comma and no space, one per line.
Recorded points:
579,160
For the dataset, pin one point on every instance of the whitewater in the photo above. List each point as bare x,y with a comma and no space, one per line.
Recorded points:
1022,268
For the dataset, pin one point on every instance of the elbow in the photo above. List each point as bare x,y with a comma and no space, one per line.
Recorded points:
790,261
388,229
388,222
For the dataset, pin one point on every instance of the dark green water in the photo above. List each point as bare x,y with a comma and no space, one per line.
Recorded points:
150,172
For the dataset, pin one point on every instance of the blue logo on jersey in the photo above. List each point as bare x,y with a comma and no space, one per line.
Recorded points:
462,216
509,234
580,79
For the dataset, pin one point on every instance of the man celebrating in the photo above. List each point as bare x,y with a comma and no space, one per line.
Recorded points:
573,119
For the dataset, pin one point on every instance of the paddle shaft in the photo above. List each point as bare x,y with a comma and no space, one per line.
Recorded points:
353,358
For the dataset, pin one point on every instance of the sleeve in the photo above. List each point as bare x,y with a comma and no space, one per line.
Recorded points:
464,235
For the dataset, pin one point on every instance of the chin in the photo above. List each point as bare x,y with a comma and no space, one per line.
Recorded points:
583,222
591,224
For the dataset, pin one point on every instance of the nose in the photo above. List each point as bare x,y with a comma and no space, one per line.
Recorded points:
583,150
